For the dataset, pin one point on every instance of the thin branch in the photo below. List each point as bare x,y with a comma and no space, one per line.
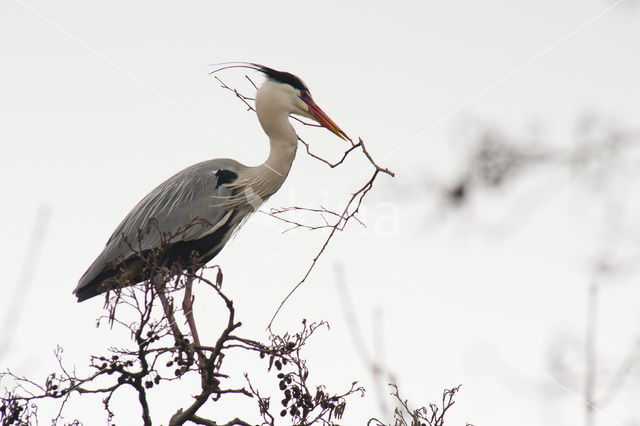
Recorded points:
350,210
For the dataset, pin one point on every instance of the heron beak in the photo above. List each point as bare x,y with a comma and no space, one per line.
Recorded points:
324,120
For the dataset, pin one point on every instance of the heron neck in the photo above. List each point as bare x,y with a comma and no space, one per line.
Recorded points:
264,180
283,141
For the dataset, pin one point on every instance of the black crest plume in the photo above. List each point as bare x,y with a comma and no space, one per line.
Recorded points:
270,73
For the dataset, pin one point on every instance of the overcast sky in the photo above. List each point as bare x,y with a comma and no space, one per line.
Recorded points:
99,103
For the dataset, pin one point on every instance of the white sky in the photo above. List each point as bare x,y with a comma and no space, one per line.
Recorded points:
101,102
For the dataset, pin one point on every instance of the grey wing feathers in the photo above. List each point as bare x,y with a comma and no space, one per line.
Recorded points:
194,195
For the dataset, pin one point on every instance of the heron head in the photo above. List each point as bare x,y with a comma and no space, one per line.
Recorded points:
290,92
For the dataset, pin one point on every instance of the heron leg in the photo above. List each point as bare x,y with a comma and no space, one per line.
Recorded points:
187,309
159,283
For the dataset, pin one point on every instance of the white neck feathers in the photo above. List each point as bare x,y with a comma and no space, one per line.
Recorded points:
274,103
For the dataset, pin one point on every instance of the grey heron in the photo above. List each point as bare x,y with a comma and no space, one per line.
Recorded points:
201,206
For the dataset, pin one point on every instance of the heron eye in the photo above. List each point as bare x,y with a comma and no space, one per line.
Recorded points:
304,95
